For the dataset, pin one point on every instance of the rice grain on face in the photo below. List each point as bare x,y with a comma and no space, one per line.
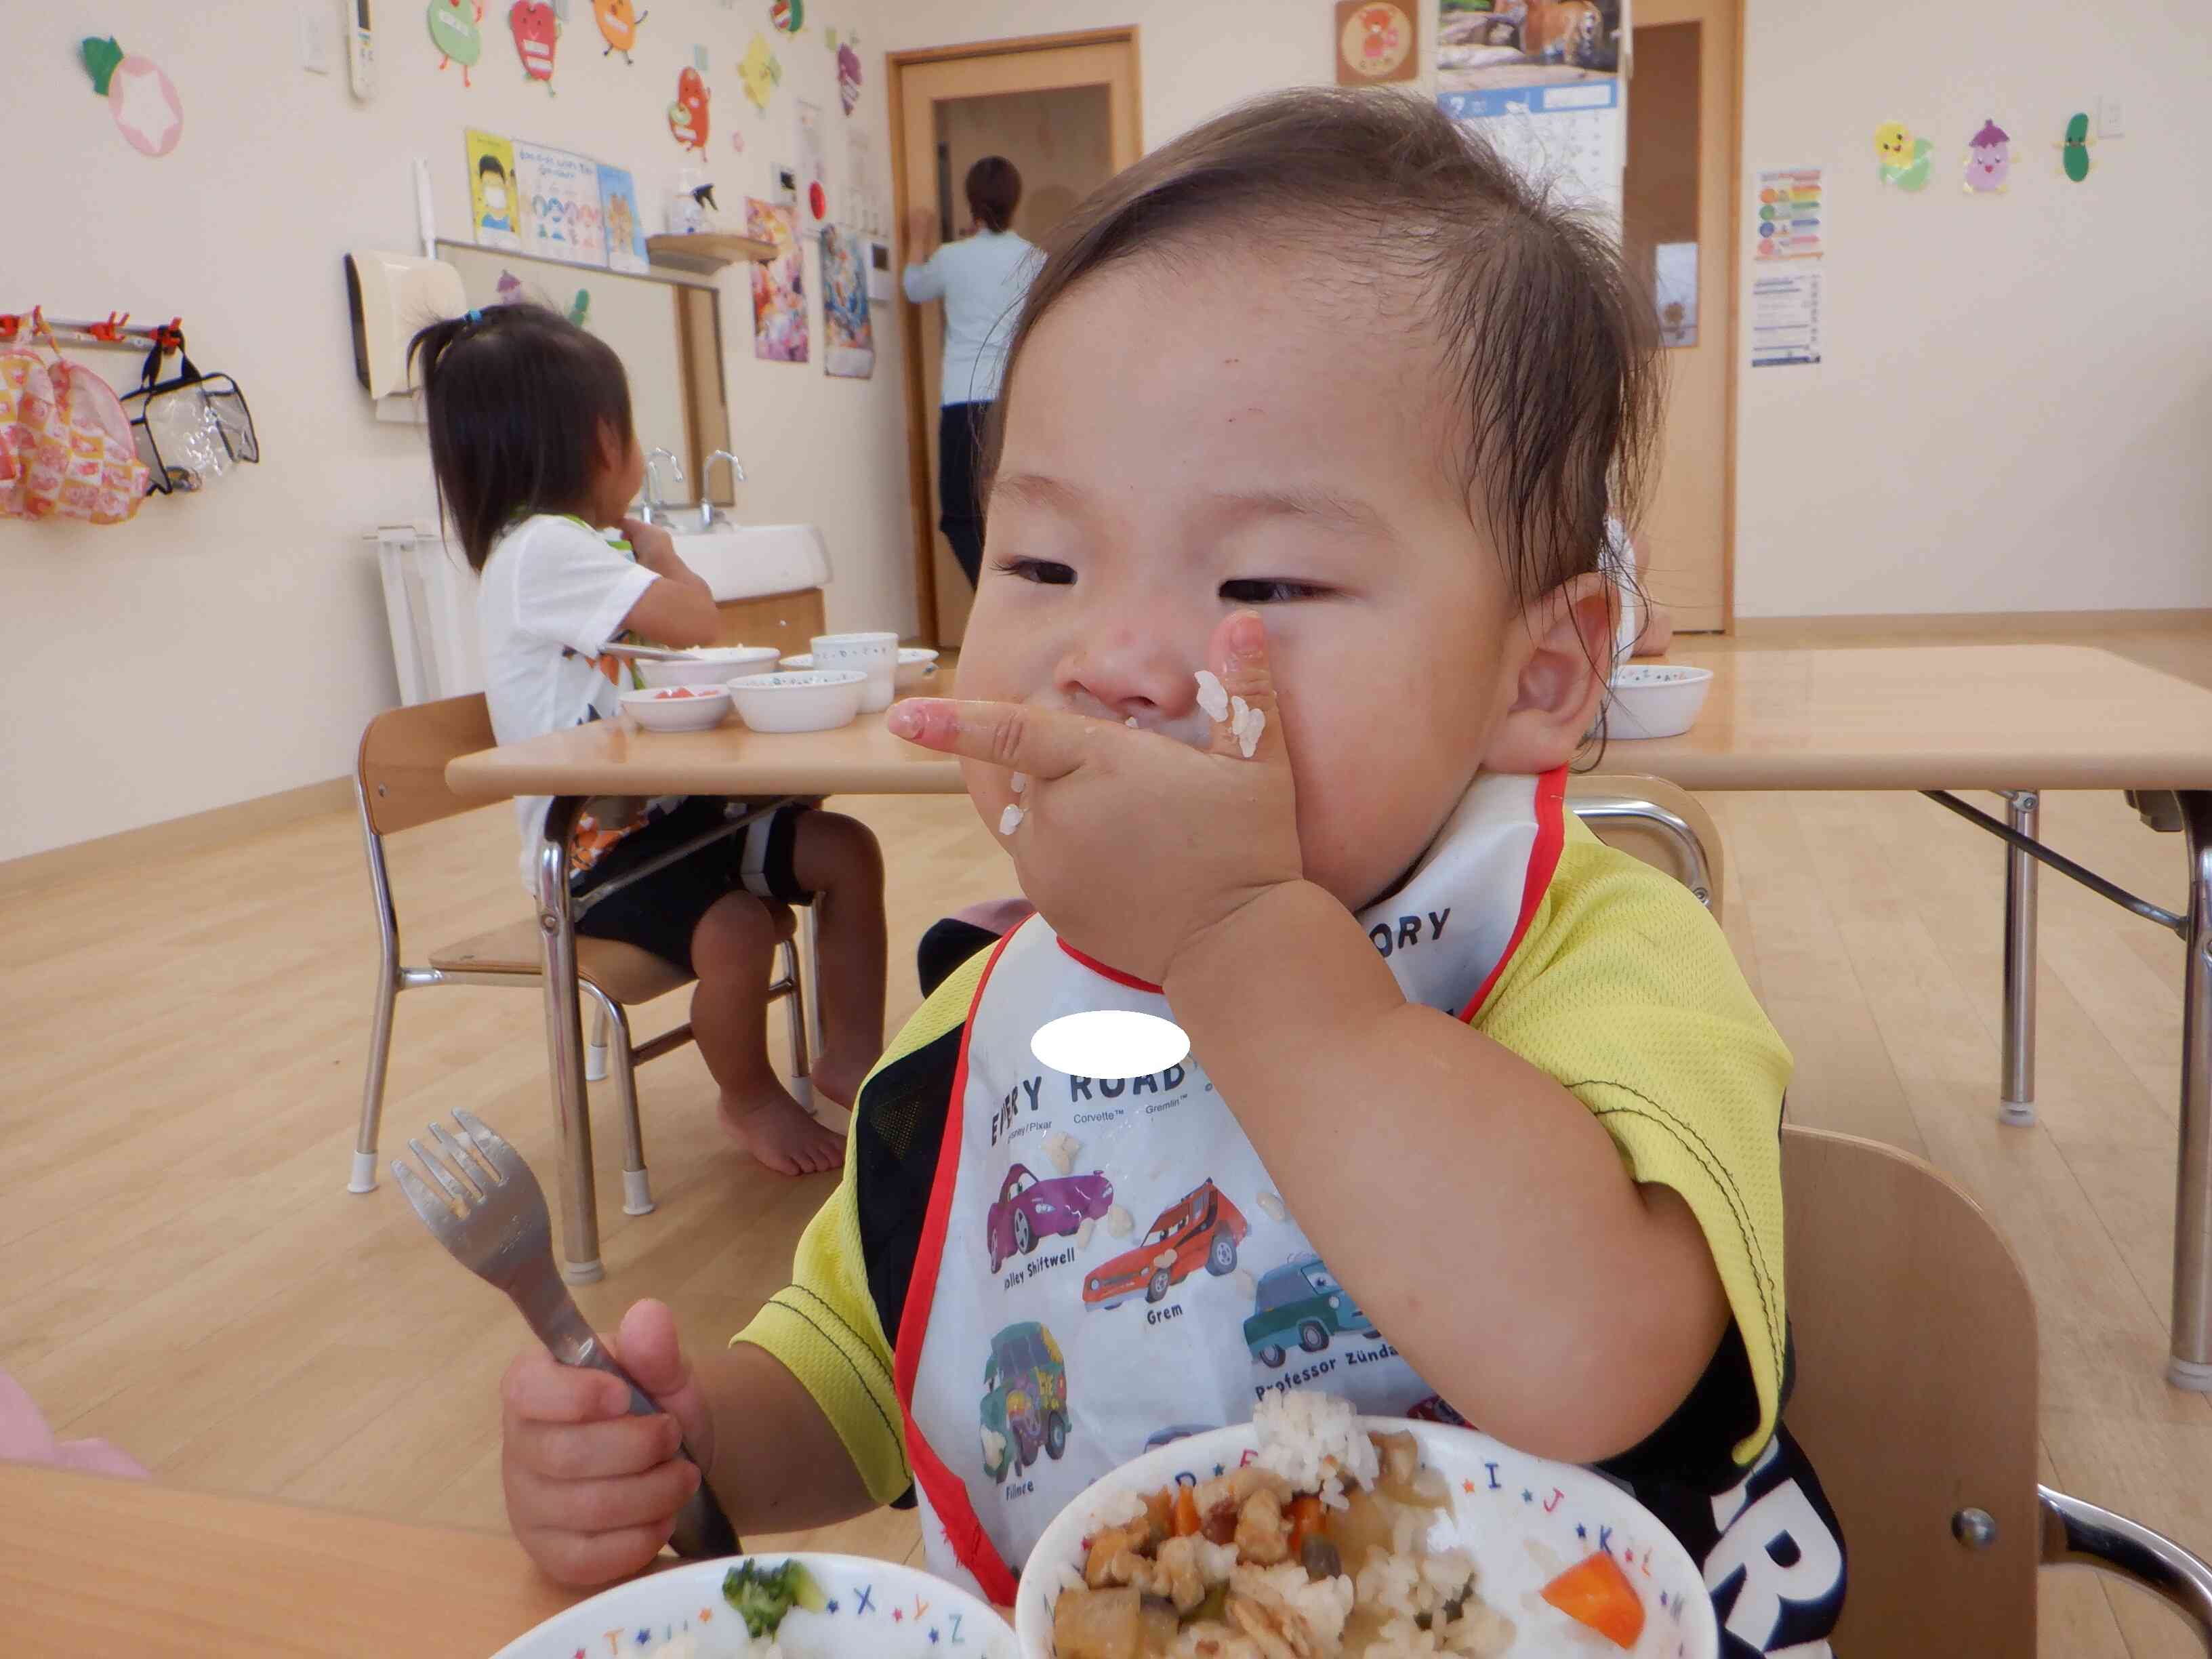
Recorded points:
1213,695
1011,819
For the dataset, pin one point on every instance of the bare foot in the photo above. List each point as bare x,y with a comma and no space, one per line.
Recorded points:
840,1080
780,1134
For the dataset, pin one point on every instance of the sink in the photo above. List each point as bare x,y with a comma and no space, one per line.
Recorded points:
743,561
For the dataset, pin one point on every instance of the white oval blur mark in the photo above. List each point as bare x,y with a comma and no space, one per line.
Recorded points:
1109,1042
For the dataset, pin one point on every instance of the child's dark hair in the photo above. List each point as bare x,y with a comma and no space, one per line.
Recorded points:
1549,339
491,164
994,190
516,398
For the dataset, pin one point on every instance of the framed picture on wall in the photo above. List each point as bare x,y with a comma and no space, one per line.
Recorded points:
1376,41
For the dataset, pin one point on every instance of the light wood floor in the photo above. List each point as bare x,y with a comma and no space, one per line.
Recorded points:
187,1276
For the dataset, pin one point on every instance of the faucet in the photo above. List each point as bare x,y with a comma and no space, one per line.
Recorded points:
709,515
655,507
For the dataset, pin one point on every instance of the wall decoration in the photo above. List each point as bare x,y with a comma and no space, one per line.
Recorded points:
580,308
624,224
778,286
787,16
1539,80
618,21
813,164
510,289
536,31
687,116
1901,159
144,102
848,339
559,194
492,207
100,56
761,73
1376,41
1789,225
736,141
848,75
454,32
1988,160
2074,148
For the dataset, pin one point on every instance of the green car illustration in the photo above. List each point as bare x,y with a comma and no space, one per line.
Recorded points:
1300,1301
1025,1400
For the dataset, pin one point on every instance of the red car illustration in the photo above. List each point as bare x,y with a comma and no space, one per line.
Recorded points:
1203,1227
1028,1209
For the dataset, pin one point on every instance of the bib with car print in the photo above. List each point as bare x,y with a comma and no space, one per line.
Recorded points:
1107,1265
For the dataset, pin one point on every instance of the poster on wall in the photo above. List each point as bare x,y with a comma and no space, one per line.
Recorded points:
778,285
492,209
624,224
1787,225
848,340
1376,41
1785,316
1541,80
559,196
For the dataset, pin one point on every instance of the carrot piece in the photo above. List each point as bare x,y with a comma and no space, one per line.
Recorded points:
1185,1519
1595,1592
1305,1521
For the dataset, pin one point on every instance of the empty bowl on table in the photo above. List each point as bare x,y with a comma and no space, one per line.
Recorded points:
867,1610
916,663
677,708
806,700
713,663
1654,700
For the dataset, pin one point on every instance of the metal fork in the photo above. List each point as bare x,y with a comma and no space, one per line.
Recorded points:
492,1218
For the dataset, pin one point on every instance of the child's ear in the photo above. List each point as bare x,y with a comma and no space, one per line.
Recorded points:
614,447
1567,648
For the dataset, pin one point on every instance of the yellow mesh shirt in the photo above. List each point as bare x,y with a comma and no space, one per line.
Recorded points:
1623,989
1626,992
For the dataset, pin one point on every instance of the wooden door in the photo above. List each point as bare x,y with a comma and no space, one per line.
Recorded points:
1679,224
919,82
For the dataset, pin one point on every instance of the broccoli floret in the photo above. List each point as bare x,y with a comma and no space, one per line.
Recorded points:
762,1595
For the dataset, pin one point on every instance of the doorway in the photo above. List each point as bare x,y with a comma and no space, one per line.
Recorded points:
1064,110
1678,228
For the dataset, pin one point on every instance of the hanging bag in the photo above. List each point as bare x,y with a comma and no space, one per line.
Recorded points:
102,479
192,429
33,437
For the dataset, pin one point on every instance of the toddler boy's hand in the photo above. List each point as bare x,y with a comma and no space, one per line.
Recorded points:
591,1491
1131,843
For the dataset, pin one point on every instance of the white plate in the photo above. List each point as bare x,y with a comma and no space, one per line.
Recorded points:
1654,700
656,711
876,1610
1524,1520
916,663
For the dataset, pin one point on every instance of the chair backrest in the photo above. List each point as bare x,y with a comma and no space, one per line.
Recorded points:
1608,802
403,751
1916,1396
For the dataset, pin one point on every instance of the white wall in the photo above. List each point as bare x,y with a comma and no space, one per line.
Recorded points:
233,644
2016,411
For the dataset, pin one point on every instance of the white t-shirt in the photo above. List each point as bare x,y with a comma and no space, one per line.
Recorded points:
553,597
981,279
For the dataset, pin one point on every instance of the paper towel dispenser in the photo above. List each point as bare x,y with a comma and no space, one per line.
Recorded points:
391,296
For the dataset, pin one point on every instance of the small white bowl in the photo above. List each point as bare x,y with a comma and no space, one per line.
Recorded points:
812,700
655,710
916,663
716,663
1656,700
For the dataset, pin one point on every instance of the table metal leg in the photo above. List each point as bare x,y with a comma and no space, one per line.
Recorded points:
813,977
565,1047
2016,1101
2189,1363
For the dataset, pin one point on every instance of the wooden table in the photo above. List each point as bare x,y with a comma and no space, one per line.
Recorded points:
94,1565
2013,718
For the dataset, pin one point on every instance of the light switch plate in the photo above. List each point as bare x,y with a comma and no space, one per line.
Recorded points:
316,45
2108,116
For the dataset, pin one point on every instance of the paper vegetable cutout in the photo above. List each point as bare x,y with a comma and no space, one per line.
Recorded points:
789,16
536,29
619,20
687,116
580,308
510,288
1989,159
100,58
760,72
2074,148
453,31
145,104
848,77
1903,160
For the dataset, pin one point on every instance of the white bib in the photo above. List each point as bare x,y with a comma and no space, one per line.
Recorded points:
1107,1264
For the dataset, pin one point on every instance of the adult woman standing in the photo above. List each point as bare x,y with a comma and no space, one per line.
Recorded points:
981,278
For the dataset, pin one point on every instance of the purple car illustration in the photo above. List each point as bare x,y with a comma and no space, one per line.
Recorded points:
1028,1209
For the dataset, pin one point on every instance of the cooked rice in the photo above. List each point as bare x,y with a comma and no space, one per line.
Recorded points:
1308,1438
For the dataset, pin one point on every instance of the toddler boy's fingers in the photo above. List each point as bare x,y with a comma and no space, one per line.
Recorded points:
1045,743
586,1560
1238,654
592,1451
538,1388
611,1504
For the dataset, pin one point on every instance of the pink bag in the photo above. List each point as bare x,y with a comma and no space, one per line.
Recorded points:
33,437
65,439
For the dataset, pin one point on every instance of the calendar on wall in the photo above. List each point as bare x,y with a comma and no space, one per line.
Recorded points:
1543,84
1573,137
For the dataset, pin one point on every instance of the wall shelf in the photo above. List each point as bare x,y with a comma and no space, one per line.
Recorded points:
707,251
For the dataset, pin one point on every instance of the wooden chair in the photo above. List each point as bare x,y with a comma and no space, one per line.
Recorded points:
400,784
1658,822
1916,1402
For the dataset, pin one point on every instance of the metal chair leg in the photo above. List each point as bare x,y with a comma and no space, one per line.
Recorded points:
362,1178
2078,1533
2016,1100
637,1185
595,1051
802,1084
564,1050
2189,1363
813,958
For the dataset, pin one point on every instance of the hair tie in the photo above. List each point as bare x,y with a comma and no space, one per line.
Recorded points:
476,316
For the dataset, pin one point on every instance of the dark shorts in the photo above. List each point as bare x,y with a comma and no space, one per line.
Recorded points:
960,429
660,912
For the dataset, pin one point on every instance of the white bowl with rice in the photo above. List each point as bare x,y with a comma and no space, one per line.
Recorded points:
710,664
1426,1538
